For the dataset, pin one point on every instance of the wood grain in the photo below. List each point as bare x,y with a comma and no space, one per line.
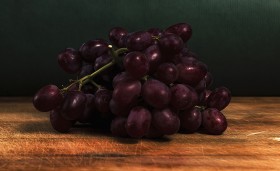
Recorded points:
251,142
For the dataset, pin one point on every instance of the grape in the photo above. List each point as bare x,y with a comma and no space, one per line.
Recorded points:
116,34
136,64
118,126
203,96
209,79
171,44
183,30
127,92
73,105
154,57
190,120
123,76
139,41
47,98
138,122
183,97
155,31
93,49
166,73
101,61
89,110
151,70
201,86
219,98
88,88
156,94
166,121
86,70
185,51
188,59
58,122
173,58
213,121
191,73
70,61
102,100
120,109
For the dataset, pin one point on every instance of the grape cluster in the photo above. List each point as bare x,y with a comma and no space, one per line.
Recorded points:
143,84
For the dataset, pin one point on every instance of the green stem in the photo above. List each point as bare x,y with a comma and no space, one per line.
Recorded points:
120,51
95,84
88,78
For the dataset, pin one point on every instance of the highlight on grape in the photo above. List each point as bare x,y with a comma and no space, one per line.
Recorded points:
138,84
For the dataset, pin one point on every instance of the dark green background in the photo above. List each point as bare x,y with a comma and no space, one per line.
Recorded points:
238,39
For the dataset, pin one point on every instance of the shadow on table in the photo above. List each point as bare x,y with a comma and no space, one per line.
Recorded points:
35,127
84,130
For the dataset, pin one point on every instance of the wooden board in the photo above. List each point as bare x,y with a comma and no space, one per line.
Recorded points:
251,142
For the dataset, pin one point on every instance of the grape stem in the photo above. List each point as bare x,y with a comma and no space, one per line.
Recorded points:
88,78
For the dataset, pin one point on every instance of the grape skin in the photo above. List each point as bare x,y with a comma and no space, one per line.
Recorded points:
58,122
166,121
156,94
73,105
136,64
213,121
138,122
47,98
70,61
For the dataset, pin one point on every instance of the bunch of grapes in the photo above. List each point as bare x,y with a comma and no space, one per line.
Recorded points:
143,84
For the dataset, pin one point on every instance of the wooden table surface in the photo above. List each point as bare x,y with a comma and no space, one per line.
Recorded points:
251,142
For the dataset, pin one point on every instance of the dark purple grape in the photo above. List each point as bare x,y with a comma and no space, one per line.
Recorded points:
138,122
74,87
120,109
156,94
86,70
127,92
47,98
183,30
89,110
190,120
118,127
201,86
191,73
139,40
183,97
185,51
219,98
153,55
102,100
73,105
154,133
166,121
172,58
116,34
70,61
136,64
188,59
123,76
166,73
213,121
58,122
101,61
203,96
93,49
209,79
88,88
155,32
171,44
